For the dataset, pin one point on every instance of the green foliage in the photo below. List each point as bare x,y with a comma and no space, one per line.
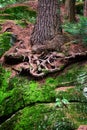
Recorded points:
65,101
79,111
52,82
18,13
4,80
77,77
61,102
81,79
70,78
78,29
66,79
64,125
79,0
4,42
32,19
21,23
58,103
4,3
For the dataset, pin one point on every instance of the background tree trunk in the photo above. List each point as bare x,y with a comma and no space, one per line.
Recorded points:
48,22
85,8
70,10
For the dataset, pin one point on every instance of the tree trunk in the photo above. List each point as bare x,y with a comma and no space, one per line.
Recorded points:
48,23
85,8
70,10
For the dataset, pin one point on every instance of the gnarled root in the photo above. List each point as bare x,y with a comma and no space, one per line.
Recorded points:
39,65
46,59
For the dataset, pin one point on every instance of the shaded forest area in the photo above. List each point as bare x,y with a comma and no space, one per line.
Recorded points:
43,65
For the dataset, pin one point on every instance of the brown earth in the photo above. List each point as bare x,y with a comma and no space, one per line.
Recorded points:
21,58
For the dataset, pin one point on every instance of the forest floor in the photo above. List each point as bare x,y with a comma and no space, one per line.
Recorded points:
35,102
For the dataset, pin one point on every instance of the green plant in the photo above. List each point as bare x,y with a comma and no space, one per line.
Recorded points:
4,3
4,80
61,102
4,42
19,13
78,29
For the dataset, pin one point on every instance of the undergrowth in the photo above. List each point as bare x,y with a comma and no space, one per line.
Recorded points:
4,42
18,13
4,3
4,80
78,29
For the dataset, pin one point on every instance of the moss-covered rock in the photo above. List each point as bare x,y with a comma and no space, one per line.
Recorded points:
29,104
38,117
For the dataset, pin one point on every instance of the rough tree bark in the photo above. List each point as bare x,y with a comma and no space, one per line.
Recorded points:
70,10
48,25
85,8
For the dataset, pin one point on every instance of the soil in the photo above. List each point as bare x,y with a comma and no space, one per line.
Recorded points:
21,57
63,88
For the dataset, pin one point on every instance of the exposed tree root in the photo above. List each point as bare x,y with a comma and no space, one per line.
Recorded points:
39,65
21,57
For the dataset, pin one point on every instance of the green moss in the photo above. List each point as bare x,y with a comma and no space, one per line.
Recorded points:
34,103
1,22
72,95
4,79
70,77
76,76
4,42
78,113
8,106
32,91
19,12
38,117
20,92
21,23
45,117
